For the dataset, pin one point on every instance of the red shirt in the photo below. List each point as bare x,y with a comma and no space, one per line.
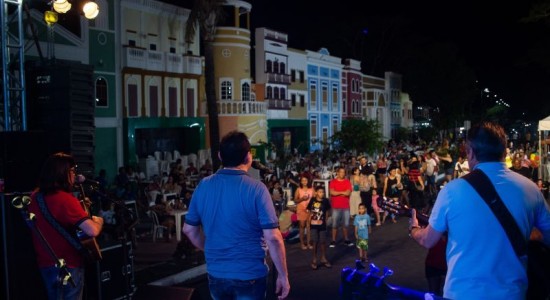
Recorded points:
414,174
340,201
68,212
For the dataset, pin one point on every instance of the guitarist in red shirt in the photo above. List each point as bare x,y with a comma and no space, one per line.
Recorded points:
57,210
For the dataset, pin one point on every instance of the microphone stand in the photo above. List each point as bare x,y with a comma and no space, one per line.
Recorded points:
121,210
64,276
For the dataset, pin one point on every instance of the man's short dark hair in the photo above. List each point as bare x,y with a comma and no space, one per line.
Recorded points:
234,147
488,142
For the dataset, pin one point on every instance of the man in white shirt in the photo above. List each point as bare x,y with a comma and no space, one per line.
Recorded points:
461,167
431,171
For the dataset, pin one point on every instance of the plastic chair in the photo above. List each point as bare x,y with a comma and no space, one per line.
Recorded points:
157,229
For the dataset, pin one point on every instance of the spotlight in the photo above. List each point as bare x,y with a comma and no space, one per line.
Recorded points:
61,6
50,17
91,10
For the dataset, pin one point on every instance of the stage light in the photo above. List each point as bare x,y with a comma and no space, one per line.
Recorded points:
91,10
61,6
50,17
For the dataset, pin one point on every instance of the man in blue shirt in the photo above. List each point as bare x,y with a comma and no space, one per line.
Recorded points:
482,263
231,218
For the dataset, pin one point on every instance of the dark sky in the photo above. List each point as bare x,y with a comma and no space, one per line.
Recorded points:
487,34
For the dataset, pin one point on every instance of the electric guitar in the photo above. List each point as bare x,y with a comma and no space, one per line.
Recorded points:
89,243
357,284
397,208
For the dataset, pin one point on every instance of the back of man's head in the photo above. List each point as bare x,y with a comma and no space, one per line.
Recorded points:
234,148
488,142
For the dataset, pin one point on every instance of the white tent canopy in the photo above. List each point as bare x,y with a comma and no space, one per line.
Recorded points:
544,146
544,124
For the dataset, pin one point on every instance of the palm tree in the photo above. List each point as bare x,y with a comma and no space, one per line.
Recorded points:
205,15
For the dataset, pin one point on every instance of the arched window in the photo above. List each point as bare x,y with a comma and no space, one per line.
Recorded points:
101,94
245,91
269,92
282,68
268,66
283,93
276,93
276,67
226,90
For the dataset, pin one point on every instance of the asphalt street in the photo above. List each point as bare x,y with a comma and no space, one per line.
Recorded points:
389,246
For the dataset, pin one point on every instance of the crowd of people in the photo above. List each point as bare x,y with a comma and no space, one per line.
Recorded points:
363,189
330,192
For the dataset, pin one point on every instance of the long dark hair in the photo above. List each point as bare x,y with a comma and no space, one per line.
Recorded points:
55,173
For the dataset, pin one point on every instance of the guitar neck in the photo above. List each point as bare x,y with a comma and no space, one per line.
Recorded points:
404,210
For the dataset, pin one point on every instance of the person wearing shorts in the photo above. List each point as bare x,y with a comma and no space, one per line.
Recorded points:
340,191
319,210
362,229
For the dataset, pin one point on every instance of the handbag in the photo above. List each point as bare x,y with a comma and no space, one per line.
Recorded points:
537,254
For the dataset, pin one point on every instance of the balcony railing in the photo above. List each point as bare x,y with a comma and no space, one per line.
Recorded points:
278,78
237,108
155,61
278,104
160,61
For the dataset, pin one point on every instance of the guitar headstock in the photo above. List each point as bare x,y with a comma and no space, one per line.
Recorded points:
398,208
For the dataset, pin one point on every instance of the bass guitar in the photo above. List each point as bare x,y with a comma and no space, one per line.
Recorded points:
397,208
89,243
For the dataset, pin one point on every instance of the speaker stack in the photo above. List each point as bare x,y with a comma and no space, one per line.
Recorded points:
60,102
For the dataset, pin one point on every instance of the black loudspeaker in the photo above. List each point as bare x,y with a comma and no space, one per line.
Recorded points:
113,276
21,157
20,278
60,101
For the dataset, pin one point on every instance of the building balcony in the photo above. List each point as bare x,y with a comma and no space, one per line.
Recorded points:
237,108
174,63
283,104
155,61
141,58
278,78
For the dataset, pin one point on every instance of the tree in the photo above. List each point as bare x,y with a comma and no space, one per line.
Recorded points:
206,14
403,134
359,135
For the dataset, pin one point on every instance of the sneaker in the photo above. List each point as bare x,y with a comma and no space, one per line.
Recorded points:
348,243
332,244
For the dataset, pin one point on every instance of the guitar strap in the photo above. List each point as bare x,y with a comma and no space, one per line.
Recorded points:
482,184
46,213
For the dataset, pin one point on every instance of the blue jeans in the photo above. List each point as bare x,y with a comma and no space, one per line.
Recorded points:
235,289
57,291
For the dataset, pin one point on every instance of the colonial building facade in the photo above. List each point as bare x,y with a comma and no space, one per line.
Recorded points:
149,83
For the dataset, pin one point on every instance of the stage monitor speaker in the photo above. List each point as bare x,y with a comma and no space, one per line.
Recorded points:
20,278
113,276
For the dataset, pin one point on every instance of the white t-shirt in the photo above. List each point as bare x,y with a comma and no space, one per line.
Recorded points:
462,168
430,166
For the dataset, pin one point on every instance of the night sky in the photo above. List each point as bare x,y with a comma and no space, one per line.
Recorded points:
487,34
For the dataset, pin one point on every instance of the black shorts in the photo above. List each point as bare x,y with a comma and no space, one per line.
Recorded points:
318,234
